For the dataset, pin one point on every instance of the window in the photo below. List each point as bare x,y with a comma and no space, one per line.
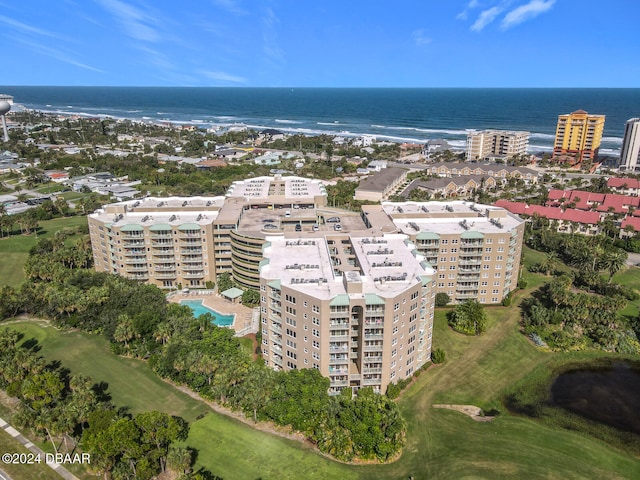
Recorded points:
497,275
452,267
315,309
441,275
452,275
483,292
414,295
315,321
441,285
454,241
485,275
450,284
291,343
499,258
315,332
396,307
486,267
496,283
394,352
501,240
394,341
443,250
290,310
305,303
487,258
452,259
290,298
443,259
291,333
495,291
290,321
488,240
494,300
315,355
395,329
316,344
444,242
500,249
487,250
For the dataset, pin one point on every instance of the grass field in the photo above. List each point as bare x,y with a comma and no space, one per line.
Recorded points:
14,250
441,444
131,382
26,472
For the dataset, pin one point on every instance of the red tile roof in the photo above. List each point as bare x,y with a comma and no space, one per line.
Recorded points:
632,221
615,182
552,213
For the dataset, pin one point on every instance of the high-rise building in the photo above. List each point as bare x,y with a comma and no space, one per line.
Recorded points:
579,134
630,153
358,307
488,144
475,249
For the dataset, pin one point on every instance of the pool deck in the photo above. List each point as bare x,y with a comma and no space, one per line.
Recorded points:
245,319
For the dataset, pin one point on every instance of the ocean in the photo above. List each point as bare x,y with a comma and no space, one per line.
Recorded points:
403,114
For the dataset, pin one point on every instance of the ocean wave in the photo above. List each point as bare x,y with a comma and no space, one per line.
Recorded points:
542,136
535,148
292,122
609,151
134,111
612,140
424,130
330,124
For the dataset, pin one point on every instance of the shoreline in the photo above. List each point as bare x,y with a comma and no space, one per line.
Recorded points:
611,145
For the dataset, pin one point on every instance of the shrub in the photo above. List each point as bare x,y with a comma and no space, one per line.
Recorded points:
442,299
438,356
522,284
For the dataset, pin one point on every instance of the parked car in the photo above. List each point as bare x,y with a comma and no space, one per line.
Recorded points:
337,227
333,220
298,228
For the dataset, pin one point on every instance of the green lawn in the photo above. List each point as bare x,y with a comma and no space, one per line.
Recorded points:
14,250
631,278
441,444
131,382
50,187
23,472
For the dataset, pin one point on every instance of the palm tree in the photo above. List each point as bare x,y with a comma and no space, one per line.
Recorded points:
124,331
614,261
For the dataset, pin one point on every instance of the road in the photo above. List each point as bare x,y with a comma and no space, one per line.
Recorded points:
4,475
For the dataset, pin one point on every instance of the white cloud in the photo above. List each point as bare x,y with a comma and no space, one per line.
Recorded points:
225,77
230,6
486,17
57,54
24,28
470,6
526,12
270,46
136,22
420,38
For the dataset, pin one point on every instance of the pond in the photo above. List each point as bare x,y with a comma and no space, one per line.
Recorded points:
199,308
607,395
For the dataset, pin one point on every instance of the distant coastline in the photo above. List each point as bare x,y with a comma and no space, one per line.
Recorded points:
400,115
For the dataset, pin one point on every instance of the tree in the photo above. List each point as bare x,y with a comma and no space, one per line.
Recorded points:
614,261
468,318
442,299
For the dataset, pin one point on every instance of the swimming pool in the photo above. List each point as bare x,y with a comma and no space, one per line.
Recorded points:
199,309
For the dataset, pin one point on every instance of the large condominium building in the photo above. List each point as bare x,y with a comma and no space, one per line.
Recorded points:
630,153
487,144
579,134
358,307
475,249
189,241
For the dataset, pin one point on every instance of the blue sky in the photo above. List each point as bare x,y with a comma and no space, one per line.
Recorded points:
321,43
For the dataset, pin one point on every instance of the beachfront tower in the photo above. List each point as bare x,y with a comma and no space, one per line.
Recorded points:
579,134
630,153
491,144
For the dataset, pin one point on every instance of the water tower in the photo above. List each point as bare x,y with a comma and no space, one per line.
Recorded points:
4,108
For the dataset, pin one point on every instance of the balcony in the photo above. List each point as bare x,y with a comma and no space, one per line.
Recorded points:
193,275
371,381
164,275
137,259
372,348
372,370
136,269
159,236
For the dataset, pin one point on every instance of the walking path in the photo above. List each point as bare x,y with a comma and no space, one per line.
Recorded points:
59,469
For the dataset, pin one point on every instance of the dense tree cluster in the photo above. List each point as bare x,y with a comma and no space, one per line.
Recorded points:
138,321
72,411
468,318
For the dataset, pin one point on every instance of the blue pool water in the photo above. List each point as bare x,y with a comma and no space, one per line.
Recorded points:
199,309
